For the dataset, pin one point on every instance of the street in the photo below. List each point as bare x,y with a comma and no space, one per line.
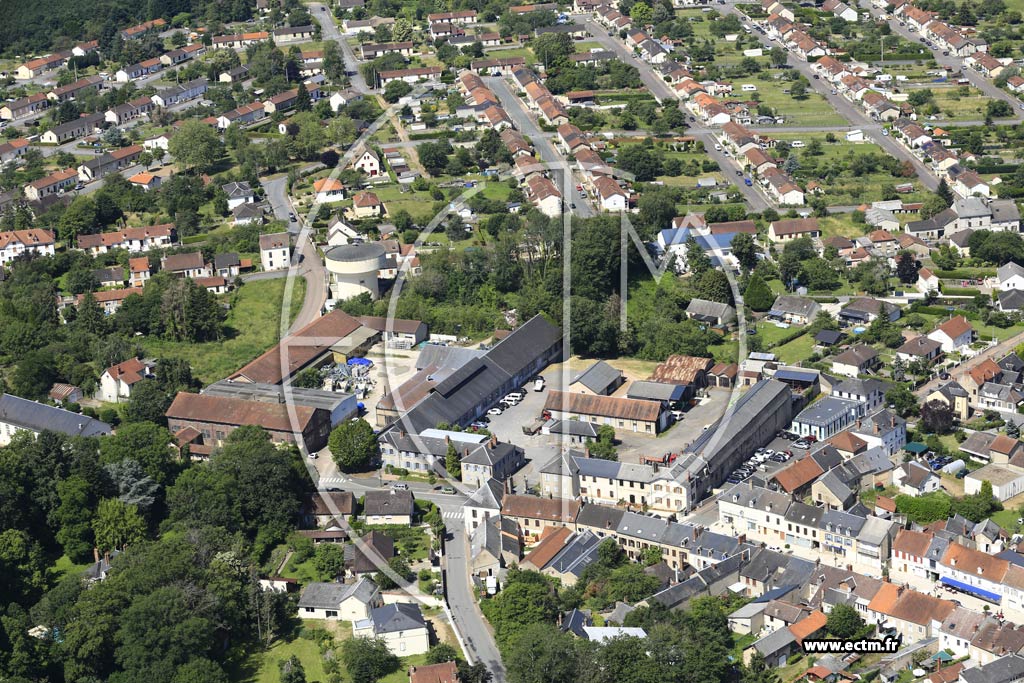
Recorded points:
852,113
329,31
309,264
663,93
977,80
556,163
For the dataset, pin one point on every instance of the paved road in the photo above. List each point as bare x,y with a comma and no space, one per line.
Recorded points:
465,611
329,31
852,113
661,90
468,621
993,353
310,267
524,122
977,80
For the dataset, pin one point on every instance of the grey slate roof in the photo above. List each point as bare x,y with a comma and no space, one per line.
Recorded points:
775,641
1003,670
710,310
487,496
37,417
401,616
598,378
655,391
599,517
1011,300
389,502
331,595
578,554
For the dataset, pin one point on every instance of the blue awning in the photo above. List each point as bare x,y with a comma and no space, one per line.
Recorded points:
973,590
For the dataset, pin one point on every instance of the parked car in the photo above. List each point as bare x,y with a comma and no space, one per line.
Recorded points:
400,485
495,411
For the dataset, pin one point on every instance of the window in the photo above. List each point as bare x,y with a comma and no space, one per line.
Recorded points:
332,614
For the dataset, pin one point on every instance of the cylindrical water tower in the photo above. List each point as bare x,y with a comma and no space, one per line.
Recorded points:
354,269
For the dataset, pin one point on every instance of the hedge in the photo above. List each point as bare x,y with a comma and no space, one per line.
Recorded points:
960,291
794,334
965,273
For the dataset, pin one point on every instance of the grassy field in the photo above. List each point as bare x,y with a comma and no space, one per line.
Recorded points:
771,334
956,107
814,110
64,566
797,350
266,663
253,324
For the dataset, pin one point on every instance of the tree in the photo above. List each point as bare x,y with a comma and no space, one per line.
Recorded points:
906,268
441,653
196,146
844,622
604,446
552,48
943,191
932,205
148,403
291,670
398,567
353,445
367,660
433,156
757,671
641,13
302,100
396,90
902,400
329,560
937,417
117,525
745,250
73,518
452,462
758,295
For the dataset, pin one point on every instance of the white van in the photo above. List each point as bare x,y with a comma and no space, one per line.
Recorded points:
514,396
748,87
797,143
538,384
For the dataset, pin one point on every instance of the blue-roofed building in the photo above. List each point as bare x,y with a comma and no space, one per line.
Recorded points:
673,237
826,418
800,380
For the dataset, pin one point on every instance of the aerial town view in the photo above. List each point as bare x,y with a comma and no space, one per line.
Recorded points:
590,341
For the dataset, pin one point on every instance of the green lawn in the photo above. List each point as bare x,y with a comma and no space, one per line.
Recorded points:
253,325
770,333
956,107
262,667
64,567
813,110
799,349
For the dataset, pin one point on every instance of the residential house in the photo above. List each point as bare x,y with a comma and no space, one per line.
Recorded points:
275,251
389,506
32,241
190,265
338,601
855,360
400,625
955,334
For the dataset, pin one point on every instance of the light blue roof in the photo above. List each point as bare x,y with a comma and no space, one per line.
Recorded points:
722,241
671,236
